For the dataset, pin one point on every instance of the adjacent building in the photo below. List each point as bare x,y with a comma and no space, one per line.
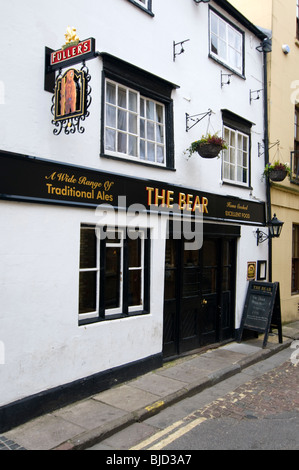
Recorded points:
119,249
281,20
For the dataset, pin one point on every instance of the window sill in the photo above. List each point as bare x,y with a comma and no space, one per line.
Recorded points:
236,185
121,316
137,162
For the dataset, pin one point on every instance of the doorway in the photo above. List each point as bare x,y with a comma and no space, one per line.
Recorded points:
199,302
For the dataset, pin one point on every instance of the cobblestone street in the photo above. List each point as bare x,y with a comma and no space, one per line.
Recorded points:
275,392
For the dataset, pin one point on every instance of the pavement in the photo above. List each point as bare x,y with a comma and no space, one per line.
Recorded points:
83,424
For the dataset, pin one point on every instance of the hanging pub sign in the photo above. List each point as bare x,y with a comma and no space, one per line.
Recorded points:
71,98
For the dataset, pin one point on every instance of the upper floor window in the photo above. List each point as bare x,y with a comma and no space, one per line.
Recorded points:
226,42
144,4
137,115
236,158
134,125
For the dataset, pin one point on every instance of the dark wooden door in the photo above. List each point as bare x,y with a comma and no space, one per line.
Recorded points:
199,295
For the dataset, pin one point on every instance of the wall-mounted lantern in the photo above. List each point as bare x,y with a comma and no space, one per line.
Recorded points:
266,46
275,228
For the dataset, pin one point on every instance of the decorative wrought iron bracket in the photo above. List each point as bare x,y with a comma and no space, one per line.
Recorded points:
260,153
197,120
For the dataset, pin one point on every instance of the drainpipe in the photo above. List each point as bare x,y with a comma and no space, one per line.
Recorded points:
266,144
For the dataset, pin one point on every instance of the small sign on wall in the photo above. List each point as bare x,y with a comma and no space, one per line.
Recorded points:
251,271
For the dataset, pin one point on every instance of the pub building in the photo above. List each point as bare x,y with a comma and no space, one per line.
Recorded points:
119,249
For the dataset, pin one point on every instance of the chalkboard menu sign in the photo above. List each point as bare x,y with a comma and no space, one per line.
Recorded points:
262,309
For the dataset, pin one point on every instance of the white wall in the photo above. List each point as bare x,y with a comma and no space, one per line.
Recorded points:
39,244
134,36
39,303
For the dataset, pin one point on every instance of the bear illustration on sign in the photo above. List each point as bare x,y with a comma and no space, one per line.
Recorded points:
68,93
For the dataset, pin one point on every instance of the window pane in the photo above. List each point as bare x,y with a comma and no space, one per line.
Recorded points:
151,152
142,128
112,278
122,120
214,44
135,282
133,123
111,93
150,110
110,140
132,101
87,292
160,117
122,97
88,248
160,154
150,131
134,249
132,146
142,149
111,116
159,133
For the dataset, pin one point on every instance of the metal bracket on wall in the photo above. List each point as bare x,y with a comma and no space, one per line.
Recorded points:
197,120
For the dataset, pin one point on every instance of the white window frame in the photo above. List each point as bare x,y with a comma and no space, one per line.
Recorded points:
96,269
227,45
232,156
111,234
117,130
136,308
110,312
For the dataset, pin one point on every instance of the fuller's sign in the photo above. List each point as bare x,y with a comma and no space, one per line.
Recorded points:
73,54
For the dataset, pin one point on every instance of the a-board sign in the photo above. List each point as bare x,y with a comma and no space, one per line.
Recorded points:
262,309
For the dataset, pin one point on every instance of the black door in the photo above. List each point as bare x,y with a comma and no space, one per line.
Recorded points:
182,304
199,294
218,288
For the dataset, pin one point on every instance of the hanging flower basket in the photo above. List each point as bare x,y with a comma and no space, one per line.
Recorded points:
209,150
277,175
277,171
208,146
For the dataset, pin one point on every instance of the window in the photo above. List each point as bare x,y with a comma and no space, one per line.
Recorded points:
137,115
226,43
114,274
144,5
134,125
235,157
295,260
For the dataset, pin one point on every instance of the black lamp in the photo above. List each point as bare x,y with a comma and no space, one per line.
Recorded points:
275,228
266,46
